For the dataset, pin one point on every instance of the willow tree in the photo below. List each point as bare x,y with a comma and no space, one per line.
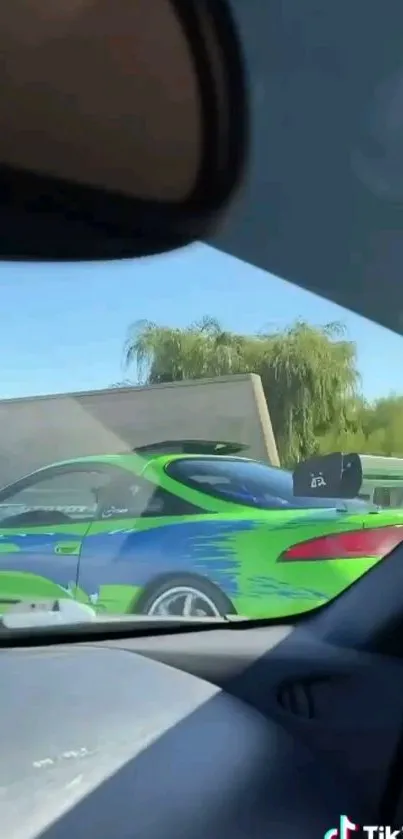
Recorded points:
168,354
382,423
310,379
309,374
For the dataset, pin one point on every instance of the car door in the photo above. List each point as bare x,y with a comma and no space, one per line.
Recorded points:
123,548
43,522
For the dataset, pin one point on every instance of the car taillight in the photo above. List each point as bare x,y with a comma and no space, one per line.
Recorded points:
351,544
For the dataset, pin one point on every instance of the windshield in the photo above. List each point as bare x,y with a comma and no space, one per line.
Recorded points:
161,418
151,415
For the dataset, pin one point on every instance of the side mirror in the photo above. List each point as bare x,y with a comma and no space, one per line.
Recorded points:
123,126
328,476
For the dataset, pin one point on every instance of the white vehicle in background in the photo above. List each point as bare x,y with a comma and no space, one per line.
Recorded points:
382,480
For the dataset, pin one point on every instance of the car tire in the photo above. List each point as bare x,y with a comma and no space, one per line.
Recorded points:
185,596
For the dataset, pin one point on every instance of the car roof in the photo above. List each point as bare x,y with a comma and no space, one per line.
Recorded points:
117,458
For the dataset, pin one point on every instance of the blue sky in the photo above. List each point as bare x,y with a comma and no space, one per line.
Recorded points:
63,326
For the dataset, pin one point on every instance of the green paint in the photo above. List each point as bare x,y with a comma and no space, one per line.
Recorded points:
16,585
118,600
265,587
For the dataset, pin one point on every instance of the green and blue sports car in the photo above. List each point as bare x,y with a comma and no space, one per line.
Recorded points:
185,528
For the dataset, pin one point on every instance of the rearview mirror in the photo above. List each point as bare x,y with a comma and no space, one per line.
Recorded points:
328,476
122,125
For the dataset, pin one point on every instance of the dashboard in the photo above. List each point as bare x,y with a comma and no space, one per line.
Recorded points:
221,733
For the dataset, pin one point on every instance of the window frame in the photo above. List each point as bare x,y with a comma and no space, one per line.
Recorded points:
292,503
171,471
47,473
116,473
185,508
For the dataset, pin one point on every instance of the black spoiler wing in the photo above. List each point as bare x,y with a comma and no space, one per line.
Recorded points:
207,447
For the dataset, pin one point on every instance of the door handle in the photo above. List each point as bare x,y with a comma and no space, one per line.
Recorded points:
68,548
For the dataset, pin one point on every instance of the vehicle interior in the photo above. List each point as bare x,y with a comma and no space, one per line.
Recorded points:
280,727
210,729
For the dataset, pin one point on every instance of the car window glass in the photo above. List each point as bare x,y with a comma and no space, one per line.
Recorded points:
138,498
213,480
382,496
243,482
71,494
106,358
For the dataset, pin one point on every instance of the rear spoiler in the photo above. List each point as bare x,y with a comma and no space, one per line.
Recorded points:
206,447
334,475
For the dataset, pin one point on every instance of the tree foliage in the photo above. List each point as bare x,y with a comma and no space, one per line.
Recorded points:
309,375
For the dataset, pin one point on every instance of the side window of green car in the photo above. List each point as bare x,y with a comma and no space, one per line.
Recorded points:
54,497
139,498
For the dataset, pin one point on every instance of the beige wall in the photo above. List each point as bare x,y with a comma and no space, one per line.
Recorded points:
37,431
